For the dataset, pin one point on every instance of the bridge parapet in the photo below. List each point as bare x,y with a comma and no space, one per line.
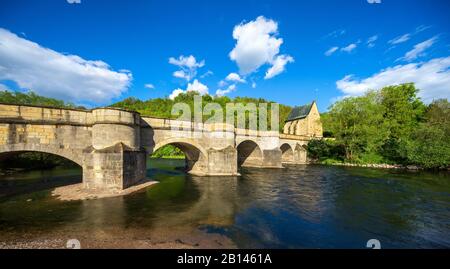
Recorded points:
48,115
112,126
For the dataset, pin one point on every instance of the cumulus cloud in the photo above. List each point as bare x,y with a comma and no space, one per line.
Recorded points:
331,51
50,73
432,78
175,93
235,78
195,86
230,88
349,48
256,44
419,49
188,66
278,66
149,86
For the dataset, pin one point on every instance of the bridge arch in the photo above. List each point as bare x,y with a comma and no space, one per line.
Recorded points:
196,155
249,154
287,153
75,156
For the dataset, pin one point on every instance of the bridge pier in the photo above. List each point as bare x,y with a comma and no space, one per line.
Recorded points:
272,158
115,159
222,162
116,167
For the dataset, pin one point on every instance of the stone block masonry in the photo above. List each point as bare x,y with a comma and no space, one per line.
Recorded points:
111,145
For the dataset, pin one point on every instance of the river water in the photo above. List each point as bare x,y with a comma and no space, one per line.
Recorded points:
297,207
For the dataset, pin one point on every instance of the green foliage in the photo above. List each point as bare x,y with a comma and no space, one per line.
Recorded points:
30,98
357,123
325,149
391,125
326,122
429,145
402,111
162,107
168,151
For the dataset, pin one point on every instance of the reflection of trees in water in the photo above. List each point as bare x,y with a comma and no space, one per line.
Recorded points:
33,214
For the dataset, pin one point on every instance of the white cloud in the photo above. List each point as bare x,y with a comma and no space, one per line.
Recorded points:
74,1
189,62
349,48
331,51
188,66
175,93
149,86
374,1
422,28
191,87
335,34
182,74
50,73
235,78
371,41
230,88
278,66
253,85
207,73
222,83
256,44
432,78
400,39
419,49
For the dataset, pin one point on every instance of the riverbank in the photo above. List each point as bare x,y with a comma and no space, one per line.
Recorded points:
376,165
160,238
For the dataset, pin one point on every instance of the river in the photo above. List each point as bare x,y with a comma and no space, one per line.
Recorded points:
305,206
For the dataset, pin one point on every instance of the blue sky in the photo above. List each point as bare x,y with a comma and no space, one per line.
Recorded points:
96,52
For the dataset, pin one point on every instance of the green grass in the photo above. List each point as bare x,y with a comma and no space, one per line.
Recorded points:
168,157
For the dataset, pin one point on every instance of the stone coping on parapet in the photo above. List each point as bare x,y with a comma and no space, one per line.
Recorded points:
298,137
70,108
46,106
48,115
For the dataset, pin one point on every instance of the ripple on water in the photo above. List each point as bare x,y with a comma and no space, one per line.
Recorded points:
296,207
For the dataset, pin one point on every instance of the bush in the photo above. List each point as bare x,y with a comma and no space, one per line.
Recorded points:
321,150
168,151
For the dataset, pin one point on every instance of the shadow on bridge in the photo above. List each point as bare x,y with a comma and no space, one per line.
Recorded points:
24,172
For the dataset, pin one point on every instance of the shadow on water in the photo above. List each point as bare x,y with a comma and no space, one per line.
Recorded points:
296,207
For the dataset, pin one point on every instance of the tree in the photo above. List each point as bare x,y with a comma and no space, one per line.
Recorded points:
429,144
30,98
403,110
357,123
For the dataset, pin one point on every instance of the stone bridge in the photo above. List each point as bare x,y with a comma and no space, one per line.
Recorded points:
111,145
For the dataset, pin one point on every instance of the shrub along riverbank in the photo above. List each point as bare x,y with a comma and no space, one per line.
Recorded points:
391,126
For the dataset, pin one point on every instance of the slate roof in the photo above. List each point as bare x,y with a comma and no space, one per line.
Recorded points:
299,112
